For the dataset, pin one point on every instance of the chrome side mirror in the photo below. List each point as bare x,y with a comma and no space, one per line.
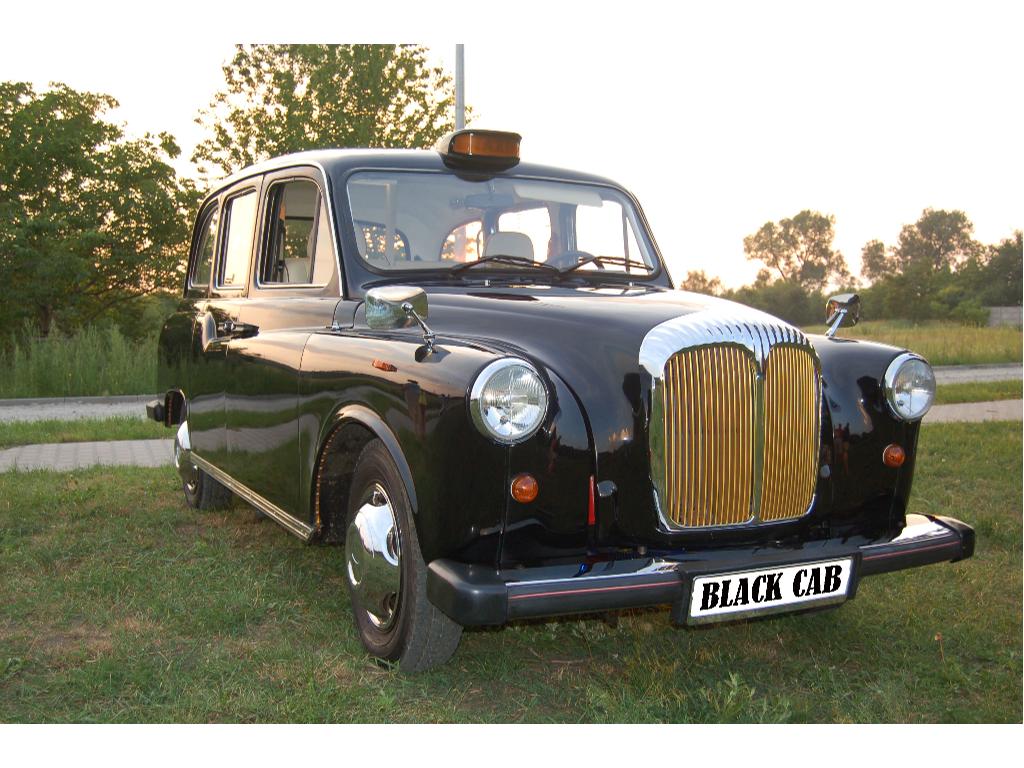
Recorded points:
842,309
398,306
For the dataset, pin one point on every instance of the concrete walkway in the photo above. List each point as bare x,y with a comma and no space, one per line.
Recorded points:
64,456
961,374
73,408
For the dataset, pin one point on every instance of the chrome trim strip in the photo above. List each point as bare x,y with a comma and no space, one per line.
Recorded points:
271,510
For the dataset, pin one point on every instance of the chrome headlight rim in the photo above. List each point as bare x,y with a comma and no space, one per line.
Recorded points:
889,385
476,407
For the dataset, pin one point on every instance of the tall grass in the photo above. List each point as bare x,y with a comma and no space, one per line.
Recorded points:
943,342
95,361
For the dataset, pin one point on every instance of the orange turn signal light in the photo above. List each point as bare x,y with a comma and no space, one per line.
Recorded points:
893,456
524,488
475,147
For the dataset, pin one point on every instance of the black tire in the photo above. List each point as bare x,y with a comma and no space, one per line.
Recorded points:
418,636
203,492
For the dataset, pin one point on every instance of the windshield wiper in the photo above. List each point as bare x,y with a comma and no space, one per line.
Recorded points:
599,260
502,259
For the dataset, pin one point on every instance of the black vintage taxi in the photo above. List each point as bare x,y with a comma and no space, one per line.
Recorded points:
474,374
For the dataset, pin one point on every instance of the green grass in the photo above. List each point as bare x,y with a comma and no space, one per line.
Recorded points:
943,343
84,430
93,362
119,604
978,392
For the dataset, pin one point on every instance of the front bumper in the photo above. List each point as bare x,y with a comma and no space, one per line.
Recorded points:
476,595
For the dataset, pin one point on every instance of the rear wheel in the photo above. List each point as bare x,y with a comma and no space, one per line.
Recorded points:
385,573
201,490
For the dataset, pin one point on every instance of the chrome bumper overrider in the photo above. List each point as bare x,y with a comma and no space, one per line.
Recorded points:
478,595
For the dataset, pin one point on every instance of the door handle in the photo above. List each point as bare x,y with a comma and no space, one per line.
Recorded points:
230,329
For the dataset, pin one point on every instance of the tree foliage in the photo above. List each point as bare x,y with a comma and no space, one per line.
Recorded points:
798,251
286,98
699,282
936,270
90,221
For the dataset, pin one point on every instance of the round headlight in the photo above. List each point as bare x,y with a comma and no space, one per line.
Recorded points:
909,386
508,400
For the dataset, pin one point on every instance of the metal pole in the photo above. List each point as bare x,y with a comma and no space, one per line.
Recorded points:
460,87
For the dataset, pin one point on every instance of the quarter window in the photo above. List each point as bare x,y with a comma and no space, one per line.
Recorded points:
239,221
298,236
203,267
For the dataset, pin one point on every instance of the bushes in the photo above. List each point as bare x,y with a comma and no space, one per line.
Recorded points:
95,361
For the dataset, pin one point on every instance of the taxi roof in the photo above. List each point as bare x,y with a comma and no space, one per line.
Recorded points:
336,161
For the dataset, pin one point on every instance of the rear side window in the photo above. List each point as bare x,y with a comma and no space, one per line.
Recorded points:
239,223
202,268
298,236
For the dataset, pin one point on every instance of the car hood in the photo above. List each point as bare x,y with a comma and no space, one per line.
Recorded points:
589,336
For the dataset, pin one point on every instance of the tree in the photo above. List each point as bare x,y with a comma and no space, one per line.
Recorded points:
798,251
875,262
1003,273
699,282
286,98
90,221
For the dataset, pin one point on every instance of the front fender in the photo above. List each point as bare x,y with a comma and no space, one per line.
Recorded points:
417,405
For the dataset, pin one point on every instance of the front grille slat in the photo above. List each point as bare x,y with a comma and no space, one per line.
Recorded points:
735,453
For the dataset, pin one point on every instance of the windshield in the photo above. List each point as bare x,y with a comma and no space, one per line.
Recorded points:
437,221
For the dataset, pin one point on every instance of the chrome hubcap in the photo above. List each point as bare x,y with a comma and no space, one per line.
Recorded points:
373,557
188,471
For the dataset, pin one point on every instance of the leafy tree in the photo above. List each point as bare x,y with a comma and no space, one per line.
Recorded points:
286,98
1003,272
875,262
90,221
699,282
798,251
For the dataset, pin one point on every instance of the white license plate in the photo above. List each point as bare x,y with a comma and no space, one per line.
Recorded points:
725,596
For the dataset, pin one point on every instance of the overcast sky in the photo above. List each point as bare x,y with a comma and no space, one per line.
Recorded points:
717,118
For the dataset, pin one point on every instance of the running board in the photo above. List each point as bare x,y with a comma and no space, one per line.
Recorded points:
271,510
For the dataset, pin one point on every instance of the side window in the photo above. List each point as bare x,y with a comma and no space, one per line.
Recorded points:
239,222
202,268
298,236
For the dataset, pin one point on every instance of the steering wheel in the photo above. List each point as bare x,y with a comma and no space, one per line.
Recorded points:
571,259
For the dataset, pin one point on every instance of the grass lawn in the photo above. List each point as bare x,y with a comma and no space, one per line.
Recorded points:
942,343
119,604
978,392
84,430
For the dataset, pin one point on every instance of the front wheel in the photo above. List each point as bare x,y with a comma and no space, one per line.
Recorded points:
385,573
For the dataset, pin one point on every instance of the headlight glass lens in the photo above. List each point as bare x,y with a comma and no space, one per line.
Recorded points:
509,400
910,387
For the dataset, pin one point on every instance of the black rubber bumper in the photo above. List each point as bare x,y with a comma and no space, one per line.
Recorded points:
476,595
156,410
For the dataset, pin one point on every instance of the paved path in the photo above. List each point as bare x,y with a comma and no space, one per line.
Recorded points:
65,456
960,374
73,408
995,410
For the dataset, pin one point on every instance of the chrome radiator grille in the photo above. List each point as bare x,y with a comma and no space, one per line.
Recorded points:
734,426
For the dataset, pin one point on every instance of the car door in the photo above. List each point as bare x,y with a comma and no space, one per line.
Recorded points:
216,322
294,290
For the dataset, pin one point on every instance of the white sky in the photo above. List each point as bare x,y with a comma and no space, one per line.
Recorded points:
717,118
